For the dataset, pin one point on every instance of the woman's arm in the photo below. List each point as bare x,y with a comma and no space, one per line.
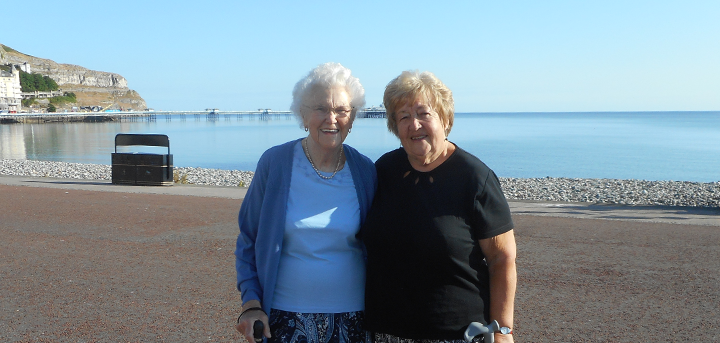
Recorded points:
249,221
245,263
500,253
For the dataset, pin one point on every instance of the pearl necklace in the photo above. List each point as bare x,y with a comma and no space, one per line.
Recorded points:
337,167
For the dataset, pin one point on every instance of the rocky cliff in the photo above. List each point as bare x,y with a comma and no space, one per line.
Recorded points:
92,88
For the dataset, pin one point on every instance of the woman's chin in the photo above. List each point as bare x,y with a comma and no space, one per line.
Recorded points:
417,148
421,155
329,142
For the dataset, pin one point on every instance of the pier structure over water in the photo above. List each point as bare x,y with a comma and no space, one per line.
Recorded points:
372,112
114,115
211,114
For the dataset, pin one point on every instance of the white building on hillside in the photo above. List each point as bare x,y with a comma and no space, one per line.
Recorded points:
10,93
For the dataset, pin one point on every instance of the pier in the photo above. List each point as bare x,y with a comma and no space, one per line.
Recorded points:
114,115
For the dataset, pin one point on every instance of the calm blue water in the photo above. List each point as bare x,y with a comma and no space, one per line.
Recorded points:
633,145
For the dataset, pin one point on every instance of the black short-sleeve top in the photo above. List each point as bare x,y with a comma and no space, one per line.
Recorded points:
426,274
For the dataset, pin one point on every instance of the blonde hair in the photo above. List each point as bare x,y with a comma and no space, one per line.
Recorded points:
411,85
329,75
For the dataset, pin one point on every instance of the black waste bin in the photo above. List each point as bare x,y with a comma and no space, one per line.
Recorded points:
141,168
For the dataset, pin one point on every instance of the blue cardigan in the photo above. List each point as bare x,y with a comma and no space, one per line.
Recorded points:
257,252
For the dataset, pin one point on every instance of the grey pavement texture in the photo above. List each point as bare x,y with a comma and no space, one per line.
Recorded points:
88,261
657,214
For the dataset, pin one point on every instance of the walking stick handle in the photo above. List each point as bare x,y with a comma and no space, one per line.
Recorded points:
258,329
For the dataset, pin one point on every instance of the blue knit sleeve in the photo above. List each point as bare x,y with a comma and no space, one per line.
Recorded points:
248,219
364,177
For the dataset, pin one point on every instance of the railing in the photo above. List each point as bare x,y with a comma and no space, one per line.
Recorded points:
39,94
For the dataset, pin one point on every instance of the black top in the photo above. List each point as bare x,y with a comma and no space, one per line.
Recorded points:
426,275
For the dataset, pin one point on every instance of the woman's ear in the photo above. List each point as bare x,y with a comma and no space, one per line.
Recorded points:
304,118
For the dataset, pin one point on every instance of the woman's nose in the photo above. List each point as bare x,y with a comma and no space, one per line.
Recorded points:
415,123
331,117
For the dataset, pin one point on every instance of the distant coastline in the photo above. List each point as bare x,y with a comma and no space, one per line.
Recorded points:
92,88
102,115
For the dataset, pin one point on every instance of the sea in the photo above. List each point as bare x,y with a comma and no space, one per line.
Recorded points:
678,146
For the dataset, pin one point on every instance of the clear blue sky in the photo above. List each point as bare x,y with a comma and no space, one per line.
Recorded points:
496,56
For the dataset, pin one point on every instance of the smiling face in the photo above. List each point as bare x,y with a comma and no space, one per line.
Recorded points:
421,132
327,113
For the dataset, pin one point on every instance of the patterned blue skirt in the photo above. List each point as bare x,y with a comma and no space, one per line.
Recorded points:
294,327
386,338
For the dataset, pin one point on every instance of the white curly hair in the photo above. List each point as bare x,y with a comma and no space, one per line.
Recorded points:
329,74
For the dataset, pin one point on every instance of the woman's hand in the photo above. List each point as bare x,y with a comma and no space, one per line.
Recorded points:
249,317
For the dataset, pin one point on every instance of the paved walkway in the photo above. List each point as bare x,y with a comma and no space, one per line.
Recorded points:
88,261
655,214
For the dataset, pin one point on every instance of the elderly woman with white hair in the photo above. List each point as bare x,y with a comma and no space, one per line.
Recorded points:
300,264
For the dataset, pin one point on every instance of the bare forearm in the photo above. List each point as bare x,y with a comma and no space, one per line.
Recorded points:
500,252
503,282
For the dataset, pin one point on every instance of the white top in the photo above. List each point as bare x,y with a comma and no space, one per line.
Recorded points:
322,269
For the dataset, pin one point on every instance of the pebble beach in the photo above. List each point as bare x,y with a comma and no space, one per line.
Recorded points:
599,191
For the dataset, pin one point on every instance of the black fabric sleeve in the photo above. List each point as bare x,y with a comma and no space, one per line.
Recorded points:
491,210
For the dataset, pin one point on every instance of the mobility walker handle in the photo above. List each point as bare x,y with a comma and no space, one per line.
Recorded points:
488,331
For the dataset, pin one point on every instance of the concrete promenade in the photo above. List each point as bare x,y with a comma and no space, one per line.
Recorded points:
88,261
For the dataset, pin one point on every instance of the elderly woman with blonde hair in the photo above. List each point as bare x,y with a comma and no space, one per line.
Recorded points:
439,236
300,263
